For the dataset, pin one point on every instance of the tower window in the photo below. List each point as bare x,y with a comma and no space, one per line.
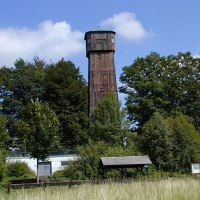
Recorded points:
112,40
101,41
89,41
99,56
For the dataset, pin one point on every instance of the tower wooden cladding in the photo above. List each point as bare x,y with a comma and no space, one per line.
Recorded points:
100,49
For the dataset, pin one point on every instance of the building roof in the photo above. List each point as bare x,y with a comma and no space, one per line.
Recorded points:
99,31
125,161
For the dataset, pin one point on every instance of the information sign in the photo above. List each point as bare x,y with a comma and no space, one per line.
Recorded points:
195,167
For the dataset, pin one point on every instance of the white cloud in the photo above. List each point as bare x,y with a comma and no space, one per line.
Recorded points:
126,25
197,55
49,41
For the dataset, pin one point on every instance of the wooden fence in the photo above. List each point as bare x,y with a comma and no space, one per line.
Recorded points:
32,183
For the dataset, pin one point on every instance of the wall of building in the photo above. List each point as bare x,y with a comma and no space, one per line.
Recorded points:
57,162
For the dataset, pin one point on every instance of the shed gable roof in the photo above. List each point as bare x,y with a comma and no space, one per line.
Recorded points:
125,161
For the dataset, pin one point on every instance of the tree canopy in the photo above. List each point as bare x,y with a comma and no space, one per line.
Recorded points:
24,83
60,85
67,94
3,140
165,84
39,129
105,122
171,142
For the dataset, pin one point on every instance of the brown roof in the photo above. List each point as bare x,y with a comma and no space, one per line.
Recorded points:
125,161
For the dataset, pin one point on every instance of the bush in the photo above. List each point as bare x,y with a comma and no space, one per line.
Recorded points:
19,170
58,175
2,164
75,172
87,166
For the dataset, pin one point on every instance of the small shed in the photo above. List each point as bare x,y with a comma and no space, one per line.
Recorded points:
124,162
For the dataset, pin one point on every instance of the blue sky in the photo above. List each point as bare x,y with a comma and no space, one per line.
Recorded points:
54,29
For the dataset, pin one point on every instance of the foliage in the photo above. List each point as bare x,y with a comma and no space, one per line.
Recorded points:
5,77
38,129
172,142
88,163
87,166
105,124
25,83
19,170
2,163
3,133
162,84
58,175
3,140
60,85
66,93
155,141
186,142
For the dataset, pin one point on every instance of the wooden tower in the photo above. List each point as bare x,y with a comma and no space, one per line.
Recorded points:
100,49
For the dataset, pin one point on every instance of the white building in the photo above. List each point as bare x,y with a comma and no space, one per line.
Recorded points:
51,164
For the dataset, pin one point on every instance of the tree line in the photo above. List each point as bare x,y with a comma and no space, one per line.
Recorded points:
45,107
163,101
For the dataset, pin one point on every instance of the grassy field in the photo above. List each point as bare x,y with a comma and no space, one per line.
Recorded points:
173,189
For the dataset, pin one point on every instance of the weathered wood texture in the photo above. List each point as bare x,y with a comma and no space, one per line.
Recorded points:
100,48
125,161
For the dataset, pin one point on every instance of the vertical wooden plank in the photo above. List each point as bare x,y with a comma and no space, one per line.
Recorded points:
101,67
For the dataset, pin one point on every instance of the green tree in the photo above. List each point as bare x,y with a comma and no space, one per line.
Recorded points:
60,85
155,141
87,166
172,143
162,84
26,83
19,86
186,142
67,94
3,140
5,79
105,122
39,129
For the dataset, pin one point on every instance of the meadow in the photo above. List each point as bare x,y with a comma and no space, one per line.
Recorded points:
171,189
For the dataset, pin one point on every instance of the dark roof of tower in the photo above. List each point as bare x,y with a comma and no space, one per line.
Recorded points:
99,31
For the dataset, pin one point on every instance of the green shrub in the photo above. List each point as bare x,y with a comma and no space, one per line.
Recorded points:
19,170
87,166
2,164
2,171
74,171
58,175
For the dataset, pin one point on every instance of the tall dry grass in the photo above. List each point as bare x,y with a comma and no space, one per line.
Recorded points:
175,189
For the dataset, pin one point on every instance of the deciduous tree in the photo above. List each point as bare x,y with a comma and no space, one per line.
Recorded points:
39,128
162,84
26,83
3,140
171,142
66,93
105,122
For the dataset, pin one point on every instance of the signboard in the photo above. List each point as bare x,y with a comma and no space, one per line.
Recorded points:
195,167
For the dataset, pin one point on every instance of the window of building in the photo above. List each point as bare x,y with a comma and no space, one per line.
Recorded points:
64,163
112,40
89,41
101,41
99,56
